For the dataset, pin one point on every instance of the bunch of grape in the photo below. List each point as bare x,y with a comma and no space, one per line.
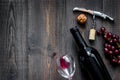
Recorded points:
111,45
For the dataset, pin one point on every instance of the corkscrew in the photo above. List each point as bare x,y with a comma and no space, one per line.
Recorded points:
96,13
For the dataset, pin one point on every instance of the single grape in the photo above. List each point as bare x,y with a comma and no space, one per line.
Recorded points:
105,45
106,50
112,48
103,30
114,36
109,46
114,40
110,52
118,57
111,41
109,34
116,51
118,62
114,60
106,37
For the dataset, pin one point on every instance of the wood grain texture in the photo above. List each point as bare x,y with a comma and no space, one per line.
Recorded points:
13,40
32,30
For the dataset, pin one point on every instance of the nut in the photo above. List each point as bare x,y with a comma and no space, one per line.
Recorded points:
82,19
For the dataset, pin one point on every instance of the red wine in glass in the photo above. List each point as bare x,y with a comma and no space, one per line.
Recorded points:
64,64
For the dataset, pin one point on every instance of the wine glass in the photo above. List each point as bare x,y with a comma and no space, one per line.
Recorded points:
66,66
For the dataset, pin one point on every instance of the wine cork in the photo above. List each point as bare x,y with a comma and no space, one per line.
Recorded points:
92,34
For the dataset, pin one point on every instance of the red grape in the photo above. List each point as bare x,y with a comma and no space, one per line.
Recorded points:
106,50
118,57
110,52
114,36
118,62
106,37
116,51
112,48
106,44
111,41
109,46
103,30
109,34
114,60
114,40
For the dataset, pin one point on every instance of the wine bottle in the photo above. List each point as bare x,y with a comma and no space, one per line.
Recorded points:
90,59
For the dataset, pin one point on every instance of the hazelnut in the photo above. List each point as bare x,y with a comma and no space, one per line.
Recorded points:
81,18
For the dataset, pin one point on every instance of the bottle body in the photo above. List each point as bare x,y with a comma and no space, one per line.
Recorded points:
90,59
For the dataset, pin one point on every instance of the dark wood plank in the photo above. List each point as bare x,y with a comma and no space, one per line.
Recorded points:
41,40
13,40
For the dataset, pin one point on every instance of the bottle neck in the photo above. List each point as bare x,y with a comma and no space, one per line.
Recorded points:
78,38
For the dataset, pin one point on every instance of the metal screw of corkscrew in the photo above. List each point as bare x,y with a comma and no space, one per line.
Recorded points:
92,32
94,22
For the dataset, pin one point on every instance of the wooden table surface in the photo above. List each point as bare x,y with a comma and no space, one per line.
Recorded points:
31,31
